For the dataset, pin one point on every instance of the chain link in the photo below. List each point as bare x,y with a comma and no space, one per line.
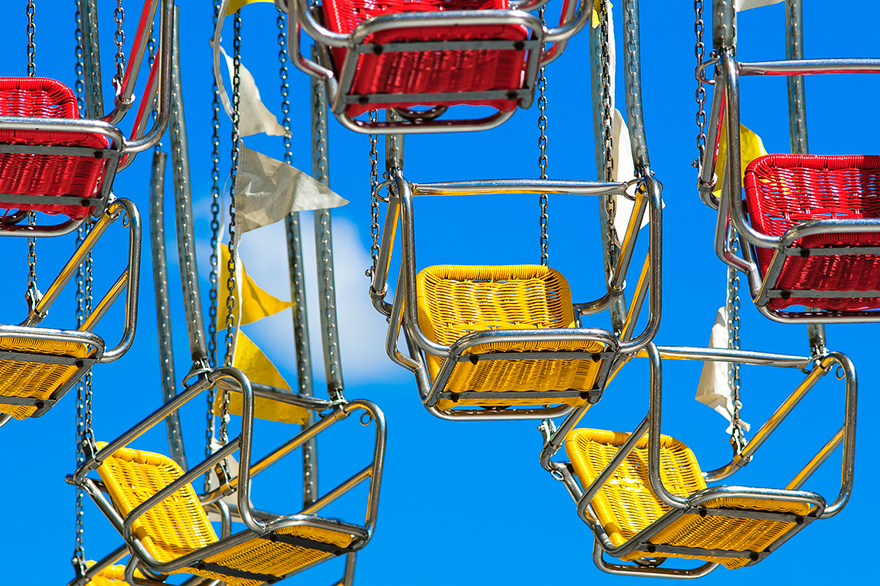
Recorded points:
543,200
32,218
737,435
374,196
281,22
700,95
119,39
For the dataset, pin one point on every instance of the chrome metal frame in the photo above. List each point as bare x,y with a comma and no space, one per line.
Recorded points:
339,80
257,523
694,503
120,151
128,279
403,313
725,109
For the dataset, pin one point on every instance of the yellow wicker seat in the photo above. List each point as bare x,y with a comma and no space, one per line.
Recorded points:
454,301
179,526
626,505
34,372
110,576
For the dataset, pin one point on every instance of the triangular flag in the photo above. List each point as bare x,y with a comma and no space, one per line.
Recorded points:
254,117
267,190
235,5
622,170
714,389
596,17
750,147
252,302
740,5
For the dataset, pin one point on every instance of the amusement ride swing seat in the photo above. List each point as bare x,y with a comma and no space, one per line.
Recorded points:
809,225
645,497
55,163
503,342
37,364
151,502
397,54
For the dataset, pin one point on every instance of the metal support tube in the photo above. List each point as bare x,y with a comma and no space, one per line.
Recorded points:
94,97
163,313
324,245
302,349
186,250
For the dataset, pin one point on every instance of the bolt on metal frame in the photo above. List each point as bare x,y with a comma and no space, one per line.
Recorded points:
695,504
339,81
725,103
120,151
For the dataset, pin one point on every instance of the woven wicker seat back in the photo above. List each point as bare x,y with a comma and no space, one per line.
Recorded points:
784,190
43,174
428,71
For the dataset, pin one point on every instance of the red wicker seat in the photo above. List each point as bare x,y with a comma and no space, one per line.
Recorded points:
46,174
784,190
414,72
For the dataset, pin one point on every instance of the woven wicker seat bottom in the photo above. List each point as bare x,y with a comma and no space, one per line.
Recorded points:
21,378
626,504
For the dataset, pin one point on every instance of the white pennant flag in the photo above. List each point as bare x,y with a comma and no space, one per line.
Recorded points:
714,388
740,5
622,171
267,190
254,116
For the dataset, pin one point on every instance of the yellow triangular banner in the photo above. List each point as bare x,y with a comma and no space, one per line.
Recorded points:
235,5
251,301
259,369
750,148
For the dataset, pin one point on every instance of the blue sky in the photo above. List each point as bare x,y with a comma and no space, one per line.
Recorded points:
465,502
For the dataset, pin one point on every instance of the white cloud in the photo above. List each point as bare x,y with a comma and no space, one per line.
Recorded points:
362,329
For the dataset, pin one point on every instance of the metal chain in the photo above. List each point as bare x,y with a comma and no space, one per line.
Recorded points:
737,435
32,217
79,555
700,95
543,200
230,281
31,45
374,197
607,131
281,22
215,258
119,39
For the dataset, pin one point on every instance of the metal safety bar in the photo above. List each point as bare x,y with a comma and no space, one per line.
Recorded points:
403,311
256,524
696,503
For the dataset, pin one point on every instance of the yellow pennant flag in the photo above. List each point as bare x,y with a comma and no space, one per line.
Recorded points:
251,301
750,148
249,359
235,5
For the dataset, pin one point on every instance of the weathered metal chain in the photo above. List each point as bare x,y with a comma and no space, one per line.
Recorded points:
607,130
737,436
31,45
32,218
543,200
230,281
374,197
214,276
119,39
281,22
700,95
79,554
